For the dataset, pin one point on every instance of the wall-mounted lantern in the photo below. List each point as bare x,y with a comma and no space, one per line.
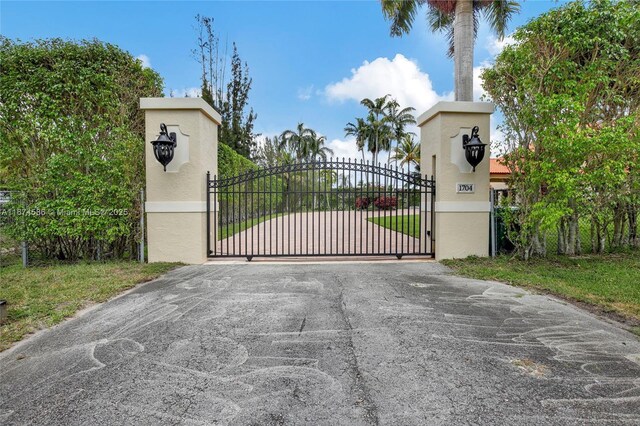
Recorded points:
164,147
473,148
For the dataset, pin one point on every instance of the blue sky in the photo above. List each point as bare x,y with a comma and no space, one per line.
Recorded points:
311,61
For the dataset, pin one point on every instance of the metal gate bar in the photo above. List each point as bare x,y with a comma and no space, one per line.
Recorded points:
322,208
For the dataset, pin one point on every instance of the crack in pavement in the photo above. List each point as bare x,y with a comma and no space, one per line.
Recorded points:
368,405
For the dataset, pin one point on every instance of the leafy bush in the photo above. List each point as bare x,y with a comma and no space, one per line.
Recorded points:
385,203
571,127
72,139
230,163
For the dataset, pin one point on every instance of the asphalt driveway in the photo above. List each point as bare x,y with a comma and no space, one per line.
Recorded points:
401,343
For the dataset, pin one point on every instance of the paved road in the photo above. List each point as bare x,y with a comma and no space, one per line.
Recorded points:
326,344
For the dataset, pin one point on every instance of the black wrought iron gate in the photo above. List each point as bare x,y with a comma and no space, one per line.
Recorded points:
322,208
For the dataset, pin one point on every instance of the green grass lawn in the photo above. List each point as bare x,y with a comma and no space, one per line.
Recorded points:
39,297
229,230
409,224
611,283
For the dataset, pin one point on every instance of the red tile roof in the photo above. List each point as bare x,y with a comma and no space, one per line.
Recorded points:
496,167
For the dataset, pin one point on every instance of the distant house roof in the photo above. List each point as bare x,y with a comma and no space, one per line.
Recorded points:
496,167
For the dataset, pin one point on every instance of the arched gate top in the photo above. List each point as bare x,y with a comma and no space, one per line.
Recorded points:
364,167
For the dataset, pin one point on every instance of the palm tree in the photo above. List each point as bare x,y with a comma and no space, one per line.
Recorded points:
316,149
360,131
399,119
306,143
286,158
379,134
307,146
407,152
377,106
297,140
459,19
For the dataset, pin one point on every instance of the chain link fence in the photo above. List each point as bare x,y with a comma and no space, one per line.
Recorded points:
12,251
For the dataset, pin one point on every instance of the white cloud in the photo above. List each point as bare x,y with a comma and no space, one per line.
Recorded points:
146,62
346,149
189,92
399,77
304,93
495,46
478,91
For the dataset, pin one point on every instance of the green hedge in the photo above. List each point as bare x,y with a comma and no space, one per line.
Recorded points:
230,163
72,145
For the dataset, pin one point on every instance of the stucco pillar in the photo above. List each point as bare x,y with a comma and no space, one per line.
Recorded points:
176,199
462,196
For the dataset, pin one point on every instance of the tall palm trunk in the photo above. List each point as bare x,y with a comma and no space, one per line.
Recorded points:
463,37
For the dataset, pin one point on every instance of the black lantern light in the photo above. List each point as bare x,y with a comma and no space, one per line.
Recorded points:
164,147
473,148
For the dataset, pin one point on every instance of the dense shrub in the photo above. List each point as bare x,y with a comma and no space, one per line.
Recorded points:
570,96
362,203
385,203
72,138
268,196
230,163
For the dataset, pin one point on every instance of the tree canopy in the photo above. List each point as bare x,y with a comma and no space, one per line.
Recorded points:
386,123
305,144
569,90
230,98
